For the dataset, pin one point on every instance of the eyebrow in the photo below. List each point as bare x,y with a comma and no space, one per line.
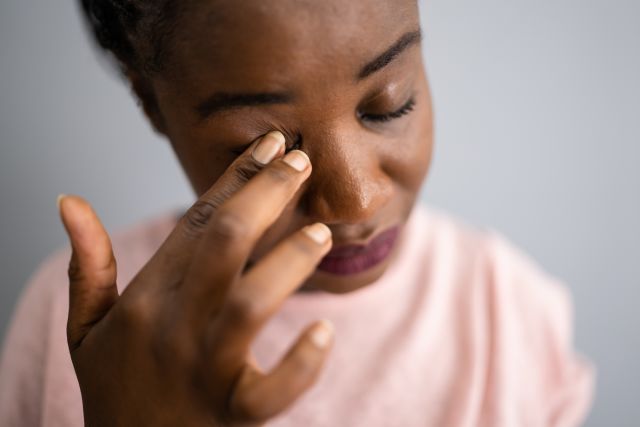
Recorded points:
407,40
226,101
222,101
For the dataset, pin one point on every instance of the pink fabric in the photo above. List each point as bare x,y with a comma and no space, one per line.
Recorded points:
462,330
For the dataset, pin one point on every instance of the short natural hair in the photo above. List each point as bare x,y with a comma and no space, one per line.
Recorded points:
135,32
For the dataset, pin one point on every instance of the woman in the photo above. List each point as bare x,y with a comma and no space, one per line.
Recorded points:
305,129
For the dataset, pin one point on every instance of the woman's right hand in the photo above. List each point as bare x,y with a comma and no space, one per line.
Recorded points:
174,348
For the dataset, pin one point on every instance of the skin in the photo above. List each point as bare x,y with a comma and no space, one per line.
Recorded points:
314,50
188,318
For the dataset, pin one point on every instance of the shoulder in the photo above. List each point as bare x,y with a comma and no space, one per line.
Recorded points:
510,283
520,316
484,257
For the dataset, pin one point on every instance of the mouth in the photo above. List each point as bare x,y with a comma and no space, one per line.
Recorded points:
352,259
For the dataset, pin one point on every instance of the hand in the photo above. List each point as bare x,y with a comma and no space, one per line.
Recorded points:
174,348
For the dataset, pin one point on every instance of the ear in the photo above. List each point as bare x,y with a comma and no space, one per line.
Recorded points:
143,89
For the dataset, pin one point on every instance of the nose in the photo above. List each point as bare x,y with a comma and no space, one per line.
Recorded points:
347,184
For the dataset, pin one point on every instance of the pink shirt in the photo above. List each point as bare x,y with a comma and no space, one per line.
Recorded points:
462,329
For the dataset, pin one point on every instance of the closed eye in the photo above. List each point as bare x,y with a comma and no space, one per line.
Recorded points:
386,117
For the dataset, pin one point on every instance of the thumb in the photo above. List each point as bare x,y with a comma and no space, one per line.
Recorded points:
92,268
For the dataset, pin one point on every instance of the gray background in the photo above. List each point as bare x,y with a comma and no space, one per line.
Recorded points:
538,135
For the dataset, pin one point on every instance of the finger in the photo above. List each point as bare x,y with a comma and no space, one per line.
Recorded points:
175,253
92,268
263,290
257,398
236,227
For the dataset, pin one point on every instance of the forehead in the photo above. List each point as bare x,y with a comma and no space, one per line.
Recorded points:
281,41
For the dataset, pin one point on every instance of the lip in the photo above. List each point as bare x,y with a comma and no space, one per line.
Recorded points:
351,259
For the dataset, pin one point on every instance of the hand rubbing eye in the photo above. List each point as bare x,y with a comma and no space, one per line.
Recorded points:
296,145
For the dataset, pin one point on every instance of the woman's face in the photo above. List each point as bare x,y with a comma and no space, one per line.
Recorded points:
344,79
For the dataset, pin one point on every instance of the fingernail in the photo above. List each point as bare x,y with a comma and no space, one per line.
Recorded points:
318,232
59,200
322,333
268,147
297,159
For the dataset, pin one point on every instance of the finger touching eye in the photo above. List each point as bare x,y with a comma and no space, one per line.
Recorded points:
294,144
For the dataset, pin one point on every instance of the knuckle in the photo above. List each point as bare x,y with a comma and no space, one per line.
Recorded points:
198,216
229,226
169,345
244,310
97,276
246,170
279,174
303,366
136,312
74,271
103,274
252,408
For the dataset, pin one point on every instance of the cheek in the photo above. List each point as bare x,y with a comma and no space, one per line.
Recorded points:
202,157
202,164
408,163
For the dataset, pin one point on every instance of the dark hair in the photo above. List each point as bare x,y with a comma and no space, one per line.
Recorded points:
135,32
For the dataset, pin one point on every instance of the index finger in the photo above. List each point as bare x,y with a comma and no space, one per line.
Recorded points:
235,230
174,255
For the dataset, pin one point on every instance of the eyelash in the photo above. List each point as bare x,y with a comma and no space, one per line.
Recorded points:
383,118
407,108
